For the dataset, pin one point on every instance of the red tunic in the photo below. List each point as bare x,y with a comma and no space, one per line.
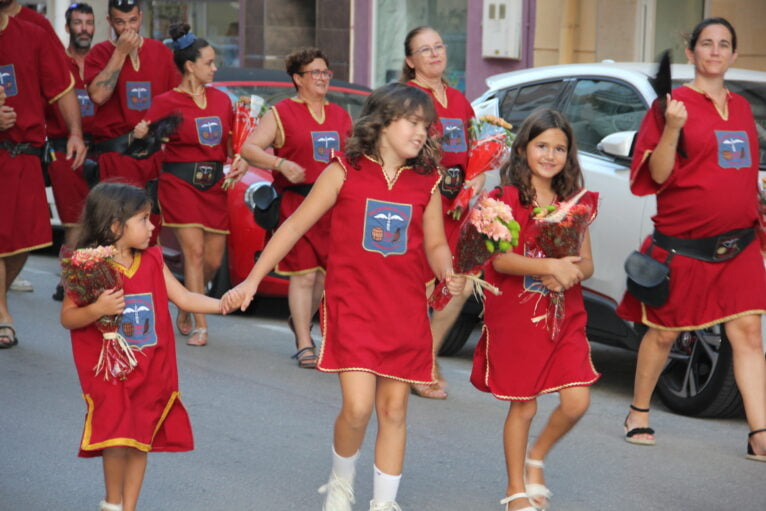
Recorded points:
32,75
721,170
202,136
515,359
374,286
69,186
132,97
309,142
144,411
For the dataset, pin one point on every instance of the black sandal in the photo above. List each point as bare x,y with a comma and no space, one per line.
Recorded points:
306,357
13,340
629,434
750,452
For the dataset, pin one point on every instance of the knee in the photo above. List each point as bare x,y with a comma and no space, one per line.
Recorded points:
356,416
524,410
306,281
193,255
392,414
662,338
574,409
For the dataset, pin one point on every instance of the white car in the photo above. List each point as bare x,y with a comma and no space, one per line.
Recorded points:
605,103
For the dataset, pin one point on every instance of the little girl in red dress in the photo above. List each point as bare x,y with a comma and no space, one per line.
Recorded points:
128,418
518,358
386,213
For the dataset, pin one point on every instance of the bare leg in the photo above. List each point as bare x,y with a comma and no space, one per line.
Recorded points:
391,407
301,299
134,477
114,461
213,246
358,389
652,355
750,373
515,437
191,241
574,403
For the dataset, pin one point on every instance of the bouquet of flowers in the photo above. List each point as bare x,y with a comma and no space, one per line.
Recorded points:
491,140
247,113
556,232
488,230
87,273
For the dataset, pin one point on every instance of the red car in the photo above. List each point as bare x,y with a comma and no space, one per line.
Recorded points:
246,238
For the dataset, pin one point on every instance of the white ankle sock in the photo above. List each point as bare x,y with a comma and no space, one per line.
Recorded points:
344,467
385,486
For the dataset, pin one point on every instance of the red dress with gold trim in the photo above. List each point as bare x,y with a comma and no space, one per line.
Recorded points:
69,186
515,359
202,136
375,315
309,143
454,120
132,97
711,192
32,74
145,410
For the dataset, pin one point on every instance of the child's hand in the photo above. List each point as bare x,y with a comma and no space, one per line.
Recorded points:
141,129
455,283
110,302
550,283
240,296
566,271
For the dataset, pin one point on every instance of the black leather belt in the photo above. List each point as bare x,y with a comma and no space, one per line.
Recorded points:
22,148
58,145
713,249
114,145
201,174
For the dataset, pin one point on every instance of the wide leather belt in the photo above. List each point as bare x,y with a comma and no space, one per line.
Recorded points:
114,145
15,149
713,249
201,174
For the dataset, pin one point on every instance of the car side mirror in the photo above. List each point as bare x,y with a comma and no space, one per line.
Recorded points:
618,145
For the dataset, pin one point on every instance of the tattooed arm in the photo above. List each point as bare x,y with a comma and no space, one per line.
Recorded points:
102,87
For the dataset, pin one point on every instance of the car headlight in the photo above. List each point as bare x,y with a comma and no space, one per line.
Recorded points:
259,194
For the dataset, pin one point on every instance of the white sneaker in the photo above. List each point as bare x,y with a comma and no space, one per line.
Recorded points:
384,506
22,285
340,494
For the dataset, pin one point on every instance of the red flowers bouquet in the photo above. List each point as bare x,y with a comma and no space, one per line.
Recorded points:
247,113
491,140
87,273
488,230
556,232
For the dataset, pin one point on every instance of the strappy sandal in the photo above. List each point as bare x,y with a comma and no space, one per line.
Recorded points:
750,452
306,357
517,496
629,434
537,491
12,339
184,327
198,337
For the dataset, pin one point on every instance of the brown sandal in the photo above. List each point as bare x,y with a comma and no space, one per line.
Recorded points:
429,390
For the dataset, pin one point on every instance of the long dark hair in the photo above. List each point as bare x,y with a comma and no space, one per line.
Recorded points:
107,203
706,23
188,53
385,105
516,171
408,73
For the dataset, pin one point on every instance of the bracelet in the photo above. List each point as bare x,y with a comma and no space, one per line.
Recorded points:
279,162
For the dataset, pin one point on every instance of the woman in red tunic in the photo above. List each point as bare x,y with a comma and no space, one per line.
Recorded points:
191,197
517,359
424,65
128,418
719,166
386,216
304,131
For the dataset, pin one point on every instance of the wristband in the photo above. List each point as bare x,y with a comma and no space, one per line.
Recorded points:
279,162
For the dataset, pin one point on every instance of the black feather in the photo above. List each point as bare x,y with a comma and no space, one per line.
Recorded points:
159,133
662,84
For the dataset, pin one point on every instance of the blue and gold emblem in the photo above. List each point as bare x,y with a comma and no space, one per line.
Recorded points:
139,95
137,323
385,227
8,80
453,138
209,130
324,143
733,149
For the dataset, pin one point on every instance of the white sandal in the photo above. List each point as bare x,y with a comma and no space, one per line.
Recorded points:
106,506
538,491
516,496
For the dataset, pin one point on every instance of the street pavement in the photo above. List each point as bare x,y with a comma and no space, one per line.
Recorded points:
263,430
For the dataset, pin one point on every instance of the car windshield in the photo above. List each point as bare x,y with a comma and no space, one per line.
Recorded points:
272,94
755,94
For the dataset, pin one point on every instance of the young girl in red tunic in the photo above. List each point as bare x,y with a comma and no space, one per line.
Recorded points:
386,214
127,419
516,360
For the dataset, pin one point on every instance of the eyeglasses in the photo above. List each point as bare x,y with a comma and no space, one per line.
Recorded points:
436,49
123,3
318,73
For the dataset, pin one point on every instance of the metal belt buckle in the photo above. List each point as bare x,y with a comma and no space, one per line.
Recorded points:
726,247
204,174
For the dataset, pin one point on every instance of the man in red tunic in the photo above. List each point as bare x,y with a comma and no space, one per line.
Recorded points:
31,74
123,75
70,188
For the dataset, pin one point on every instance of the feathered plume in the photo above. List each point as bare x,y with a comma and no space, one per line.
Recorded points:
159,133
662,85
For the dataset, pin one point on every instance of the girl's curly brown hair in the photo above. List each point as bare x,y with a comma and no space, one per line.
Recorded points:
516,171
107,203
385,105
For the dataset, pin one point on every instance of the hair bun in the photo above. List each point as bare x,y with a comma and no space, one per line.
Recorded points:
178,30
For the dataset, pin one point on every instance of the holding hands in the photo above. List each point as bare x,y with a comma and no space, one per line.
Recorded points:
239,296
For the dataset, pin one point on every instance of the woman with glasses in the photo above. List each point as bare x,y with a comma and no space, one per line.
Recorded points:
190,191
424,65
303,131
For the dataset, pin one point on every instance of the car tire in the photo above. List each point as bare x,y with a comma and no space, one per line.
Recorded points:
221,281
459,333
698,379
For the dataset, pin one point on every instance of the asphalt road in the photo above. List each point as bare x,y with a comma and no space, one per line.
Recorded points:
263,431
